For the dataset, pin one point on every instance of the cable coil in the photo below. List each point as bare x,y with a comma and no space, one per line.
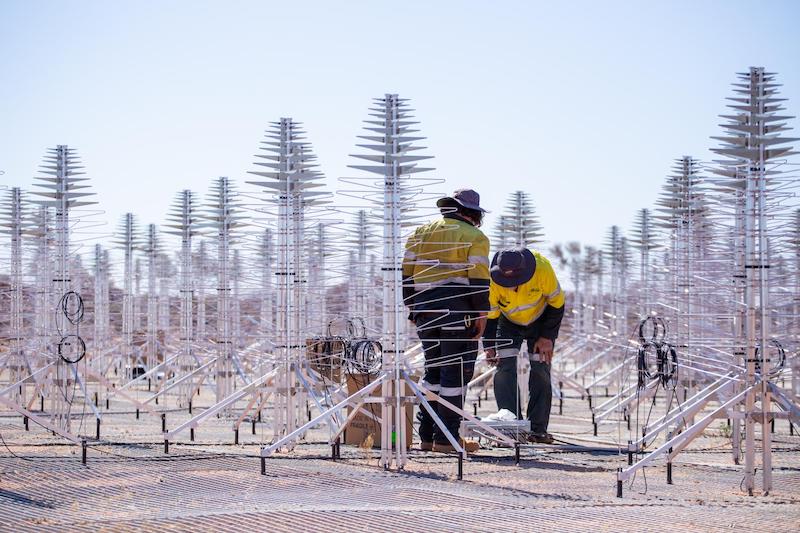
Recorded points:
71,348
653,346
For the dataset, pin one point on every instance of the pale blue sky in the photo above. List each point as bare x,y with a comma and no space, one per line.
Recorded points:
582,104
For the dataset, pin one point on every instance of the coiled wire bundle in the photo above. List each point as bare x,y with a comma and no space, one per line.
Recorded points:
71,347
363,356
653,347
775,369
345,345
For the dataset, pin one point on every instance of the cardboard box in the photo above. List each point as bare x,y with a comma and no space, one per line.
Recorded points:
326,357
362,425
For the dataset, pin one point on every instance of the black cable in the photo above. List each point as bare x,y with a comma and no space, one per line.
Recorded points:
363,356
72,309
774,369
655,346
642,366
667,364
74,312
64,345
659,331
11,451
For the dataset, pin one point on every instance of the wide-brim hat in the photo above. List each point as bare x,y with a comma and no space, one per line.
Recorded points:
512,267
465,197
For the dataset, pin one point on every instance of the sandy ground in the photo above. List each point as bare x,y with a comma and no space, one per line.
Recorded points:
210,484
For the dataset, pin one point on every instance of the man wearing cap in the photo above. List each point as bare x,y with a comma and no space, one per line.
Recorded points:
446,287
526,303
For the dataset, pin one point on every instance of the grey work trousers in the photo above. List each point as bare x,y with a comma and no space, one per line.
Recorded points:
506,388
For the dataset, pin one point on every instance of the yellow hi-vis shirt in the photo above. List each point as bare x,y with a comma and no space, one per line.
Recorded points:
447,250
524,304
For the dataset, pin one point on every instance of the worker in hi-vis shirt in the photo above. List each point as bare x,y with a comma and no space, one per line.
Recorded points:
526,304
446,287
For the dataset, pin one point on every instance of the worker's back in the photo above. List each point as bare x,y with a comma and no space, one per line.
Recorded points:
446,251
446,286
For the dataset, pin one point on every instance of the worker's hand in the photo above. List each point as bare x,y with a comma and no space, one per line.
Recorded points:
544,347
491,356
478,327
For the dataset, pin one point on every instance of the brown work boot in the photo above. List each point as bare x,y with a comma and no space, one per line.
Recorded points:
425,446
469,446
541,438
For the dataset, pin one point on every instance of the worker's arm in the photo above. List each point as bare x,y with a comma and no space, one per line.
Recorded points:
548,332
409,259
550,321
478,275
490,334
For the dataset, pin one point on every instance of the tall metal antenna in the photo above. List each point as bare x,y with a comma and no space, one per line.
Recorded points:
749,195
362,240
222,215
266,260
683,215
317,308
137,293
127,239
102,319
519,225
290,173
752,146
64,191
151,248
643,238
182,222
615,250
14,222
43,311
202,261
236,297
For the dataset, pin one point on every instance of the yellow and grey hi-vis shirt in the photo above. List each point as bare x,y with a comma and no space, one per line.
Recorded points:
448,251
524,304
